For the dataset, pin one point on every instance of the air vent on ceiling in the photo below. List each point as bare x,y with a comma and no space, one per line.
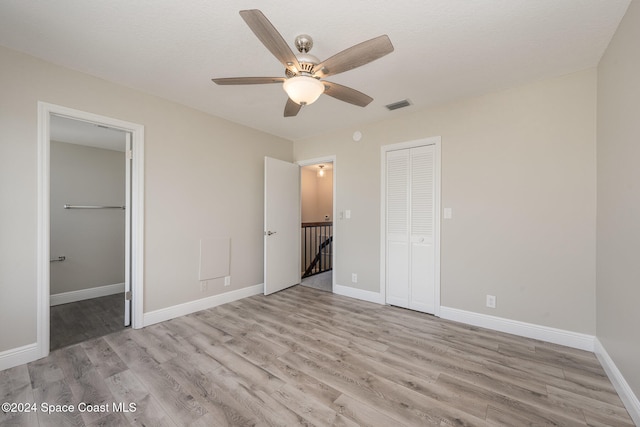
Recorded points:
399,104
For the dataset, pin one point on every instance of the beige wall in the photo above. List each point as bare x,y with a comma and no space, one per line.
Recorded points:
92,241
193,187
316,194
308,195
325,195
618,266
518,170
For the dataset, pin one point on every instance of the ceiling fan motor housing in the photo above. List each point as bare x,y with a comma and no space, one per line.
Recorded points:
307,62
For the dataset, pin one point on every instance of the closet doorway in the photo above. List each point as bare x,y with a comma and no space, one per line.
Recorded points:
90,226
88,202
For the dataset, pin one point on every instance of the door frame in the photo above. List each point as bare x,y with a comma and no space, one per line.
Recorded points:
315,161
45,110
436,141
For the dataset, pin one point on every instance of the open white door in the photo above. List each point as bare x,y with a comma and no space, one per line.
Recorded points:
281,225
127,233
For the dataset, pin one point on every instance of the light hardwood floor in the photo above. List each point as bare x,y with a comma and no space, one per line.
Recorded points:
306,357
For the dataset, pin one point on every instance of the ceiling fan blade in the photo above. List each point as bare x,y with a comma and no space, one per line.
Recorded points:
271,38
355,56
248,80
291,108
346,94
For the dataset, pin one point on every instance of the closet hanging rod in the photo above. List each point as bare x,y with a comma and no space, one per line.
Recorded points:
68,206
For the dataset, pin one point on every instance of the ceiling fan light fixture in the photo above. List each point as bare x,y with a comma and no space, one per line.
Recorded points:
303,90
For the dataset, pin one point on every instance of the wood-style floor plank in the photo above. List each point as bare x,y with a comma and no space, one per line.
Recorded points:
15,387
126,388
307,357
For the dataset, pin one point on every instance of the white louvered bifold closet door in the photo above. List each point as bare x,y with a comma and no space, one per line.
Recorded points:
410,228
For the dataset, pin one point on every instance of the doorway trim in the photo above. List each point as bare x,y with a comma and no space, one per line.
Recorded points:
315,161
436,141
45,110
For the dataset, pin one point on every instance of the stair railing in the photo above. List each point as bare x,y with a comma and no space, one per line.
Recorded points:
317,247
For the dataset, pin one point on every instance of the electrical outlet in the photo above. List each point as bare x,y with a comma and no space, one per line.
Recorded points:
204,285
227,280
491,301
354,278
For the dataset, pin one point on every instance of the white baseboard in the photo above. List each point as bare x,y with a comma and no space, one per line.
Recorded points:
83,294
630,400
19,356
523,329
356,293
174,311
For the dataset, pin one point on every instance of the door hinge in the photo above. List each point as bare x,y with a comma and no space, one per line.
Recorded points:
129,155
127,296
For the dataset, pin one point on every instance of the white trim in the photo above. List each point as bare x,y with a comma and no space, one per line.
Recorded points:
515,327
629,399
327,159
434,140
83,294
19,356
42,268
137,227
45,110
523,329
356,293
174,311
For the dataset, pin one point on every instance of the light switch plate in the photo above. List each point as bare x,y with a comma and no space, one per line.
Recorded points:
448,213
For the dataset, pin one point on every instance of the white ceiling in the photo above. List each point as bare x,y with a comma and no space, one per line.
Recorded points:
78,132
444,49
325,165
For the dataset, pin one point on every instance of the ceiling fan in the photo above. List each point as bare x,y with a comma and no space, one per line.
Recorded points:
304,72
